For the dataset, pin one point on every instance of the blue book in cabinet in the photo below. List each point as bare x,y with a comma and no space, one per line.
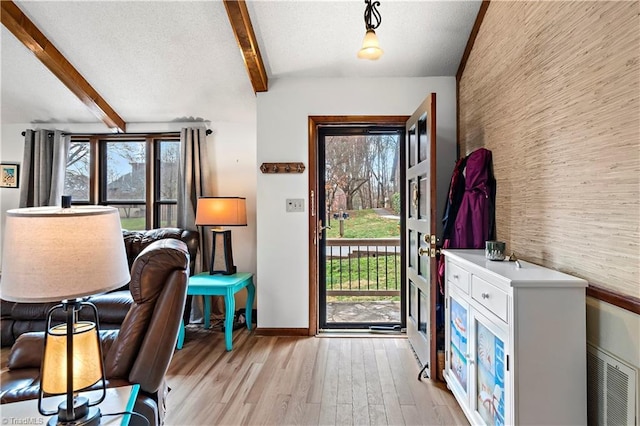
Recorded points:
490,376
458,335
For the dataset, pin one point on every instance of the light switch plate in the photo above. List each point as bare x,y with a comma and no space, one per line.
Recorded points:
295,205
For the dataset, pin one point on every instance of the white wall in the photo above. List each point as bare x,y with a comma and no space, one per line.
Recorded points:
616,331
11,150
282,247
232,152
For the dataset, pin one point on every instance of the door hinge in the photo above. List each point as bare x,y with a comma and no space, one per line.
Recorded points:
313,203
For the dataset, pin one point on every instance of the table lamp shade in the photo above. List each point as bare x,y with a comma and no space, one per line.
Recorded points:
86,371
221,211
53,254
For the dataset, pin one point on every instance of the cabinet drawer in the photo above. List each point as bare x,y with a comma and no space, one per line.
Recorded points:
458,276
490,297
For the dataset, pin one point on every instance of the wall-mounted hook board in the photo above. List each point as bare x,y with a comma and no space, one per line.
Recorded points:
282,167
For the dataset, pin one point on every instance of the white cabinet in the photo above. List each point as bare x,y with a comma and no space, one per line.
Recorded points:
515,341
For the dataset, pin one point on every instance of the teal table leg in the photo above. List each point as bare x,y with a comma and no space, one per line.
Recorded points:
229,311
207,311
180,336
248,310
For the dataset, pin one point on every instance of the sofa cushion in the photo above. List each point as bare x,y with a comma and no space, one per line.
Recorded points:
112,307
28,311
136,241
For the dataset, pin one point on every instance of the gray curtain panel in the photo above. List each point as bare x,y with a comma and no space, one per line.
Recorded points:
43,168
194,181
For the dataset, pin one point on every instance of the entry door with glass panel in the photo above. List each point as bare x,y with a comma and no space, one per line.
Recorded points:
420,232
360,221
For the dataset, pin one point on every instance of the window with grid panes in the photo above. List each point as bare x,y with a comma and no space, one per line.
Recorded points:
137,174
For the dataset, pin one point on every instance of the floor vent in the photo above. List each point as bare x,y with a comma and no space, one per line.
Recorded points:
611,389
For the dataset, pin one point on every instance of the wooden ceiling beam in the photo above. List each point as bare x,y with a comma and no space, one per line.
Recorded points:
243,30
17,22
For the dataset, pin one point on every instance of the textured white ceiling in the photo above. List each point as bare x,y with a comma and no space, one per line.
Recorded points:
322,38
30,90
162,61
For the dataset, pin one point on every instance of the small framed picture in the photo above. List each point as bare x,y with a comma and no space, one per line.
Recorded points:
9,175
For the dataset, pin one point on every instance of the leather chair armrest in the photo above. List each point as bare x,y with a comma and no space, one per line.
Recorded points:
26,352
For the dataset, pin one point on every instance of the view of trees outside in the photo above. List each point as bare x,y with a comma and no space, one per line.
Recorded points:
362,192
125,176
169,162
126,171
76,181
361,172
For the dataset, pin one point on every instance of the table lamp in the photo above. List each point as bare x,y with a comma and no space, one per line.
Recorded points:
219,212
53,254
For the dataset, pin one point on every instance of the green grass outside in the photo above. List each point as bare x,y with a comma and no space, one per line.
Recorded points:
364,224
132,223
353,278
363,273
138,224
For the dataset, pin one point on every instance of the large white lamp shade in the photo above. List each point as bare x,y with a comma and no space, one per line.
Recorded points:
52,253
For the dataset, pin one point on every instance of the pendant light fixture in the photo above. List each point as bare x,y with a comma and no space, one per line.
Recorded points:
370,45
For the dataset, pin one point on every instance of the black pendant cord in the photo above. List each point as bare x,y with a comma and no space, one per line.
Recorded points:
372,11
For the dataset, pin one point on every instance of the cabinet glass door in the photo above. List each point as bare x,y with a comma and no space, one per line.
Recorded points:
489,372
458,350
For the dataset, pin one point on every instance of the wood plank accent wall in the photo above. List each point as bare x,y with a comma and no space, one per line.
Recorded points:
553,90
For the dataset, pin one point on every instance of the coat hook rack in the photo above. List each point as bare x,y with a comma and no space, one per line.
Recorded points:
282,167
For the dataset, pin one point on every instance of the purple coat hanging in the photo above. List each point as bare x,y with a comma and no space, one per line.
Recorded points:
475,221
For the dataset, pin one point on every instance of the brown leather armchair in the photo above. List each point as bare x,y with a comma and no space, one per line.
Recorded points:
140,352
19,318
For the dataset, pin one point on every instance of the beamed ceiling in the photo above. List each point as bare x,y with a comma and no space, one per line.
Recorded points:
120,62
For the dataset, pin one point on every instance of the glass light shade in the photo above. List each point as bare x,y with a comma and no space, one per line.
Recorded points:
221,211
370,46
52,254
86,358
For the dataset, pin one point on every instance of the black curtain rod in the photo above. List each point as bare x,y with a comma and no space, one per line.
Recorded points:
208,132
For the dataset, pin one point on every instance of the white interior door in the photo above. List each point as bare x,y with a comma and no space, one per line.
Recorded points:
420,231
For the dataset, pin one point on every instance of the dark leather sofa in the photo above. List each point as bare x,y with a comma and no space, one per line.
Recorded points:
141,350
19,318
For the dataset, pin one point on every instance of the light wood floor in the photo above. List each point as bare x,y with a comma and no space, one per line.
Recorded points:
302,381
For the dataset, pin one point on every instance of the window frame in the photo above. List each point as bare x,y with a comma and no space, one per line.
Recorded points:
157,186
97,171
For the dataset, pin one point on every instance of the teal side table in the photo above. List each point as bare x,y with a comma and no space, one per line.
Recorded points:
204,284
